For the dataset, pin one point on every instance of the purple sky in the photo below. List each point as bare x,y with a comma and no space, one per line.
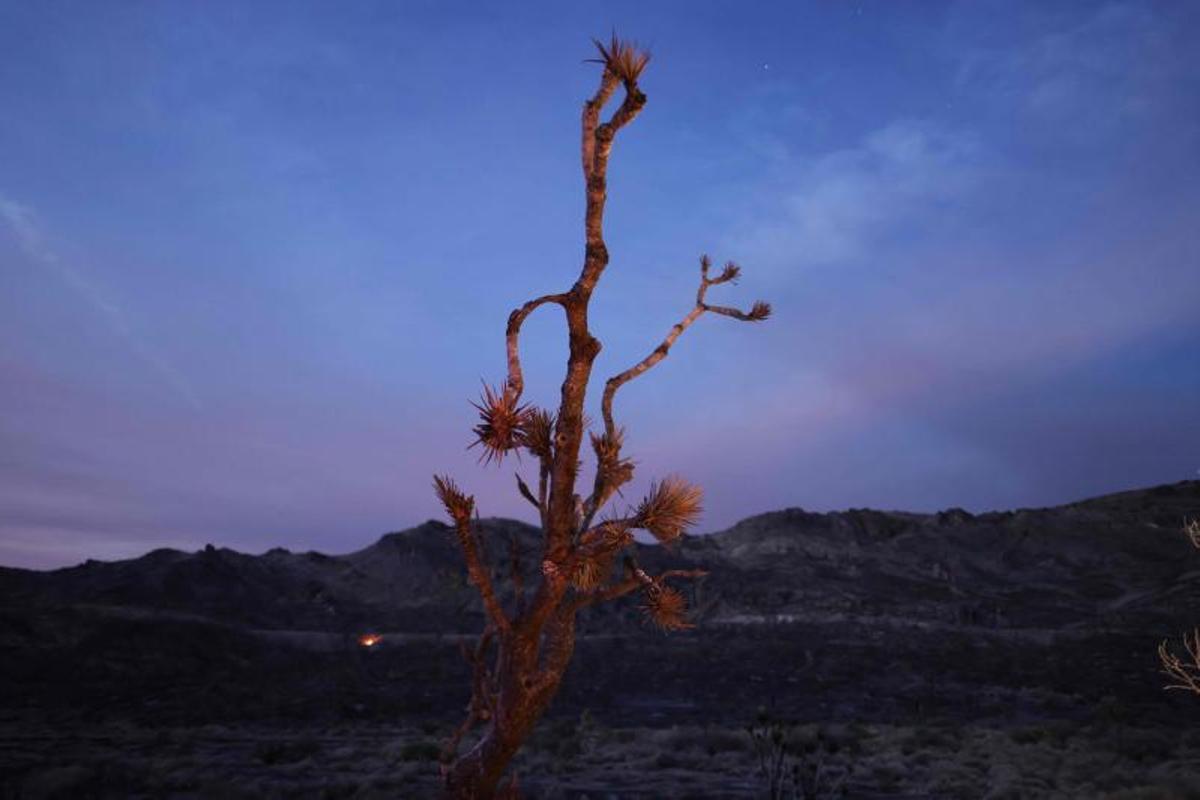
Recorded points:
256,258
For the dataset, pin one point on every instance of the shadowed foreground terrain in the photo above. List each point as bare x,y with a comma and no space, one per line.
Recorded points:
949,655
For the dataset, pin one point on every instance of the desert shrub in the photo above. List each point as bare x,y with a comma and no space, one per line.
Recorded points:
420,750
797,762
936,738
1028,735
719,740
707,740
1145,745
1052,734
624,736
286,751
62,781
886,777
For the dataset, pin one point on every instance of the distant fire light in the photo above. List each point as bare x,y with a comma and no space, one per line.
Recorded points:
370,639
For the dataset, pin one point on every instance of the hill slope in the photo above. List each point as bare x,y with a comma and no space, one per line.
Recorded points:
1117,560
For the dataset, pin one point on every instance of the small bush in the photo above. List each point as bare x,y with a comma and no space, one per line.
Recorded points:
287,751
420,751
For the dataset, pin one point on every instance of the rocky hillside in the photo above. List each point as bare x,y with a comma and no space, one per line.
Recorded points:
1002,618
1112,562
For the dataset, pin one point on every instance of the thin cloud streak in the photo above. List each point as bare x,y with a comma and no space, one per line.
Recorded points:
29,237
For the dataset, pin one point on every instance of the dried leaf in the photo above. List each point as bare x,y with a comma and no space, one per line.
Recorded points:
458,505
537,433
501,422
623,59
665,607
672,506
759,311
590,573
612,471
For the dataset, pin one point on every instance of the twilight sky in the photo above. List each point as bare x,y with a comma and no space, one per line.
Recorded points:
256,258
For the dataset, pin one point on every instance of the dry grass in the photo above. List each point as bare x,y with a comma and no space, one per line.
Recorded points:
577,757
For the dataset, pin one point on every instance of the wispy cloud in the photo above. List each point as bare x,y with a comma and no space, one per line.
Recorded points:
24,228
837,206
1094,72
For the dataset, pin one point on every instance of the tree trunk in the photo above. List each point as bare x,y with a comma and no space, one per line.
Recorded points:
522,700
535,647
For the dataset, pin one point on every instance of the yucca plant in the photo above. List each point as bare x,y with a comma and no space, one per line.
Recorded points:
1184,671
523,652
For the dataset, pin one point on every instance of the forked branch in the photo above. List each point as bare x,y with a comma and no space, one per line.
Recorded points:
758,312
662,605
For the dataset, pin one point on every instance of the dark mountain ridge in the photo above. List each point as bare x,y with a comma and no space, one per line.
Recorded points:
1116,560
1004,620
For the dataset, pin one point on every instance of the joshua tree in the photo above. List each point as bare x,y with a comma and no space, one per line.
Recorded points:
523,651
1184,672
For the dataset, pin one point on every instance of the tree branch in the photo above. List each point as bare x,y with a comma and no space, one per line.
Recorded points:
622,63
559,644
477,574
460,506
591,116
482,705
516,381
518,579
528,495
636,578
760,311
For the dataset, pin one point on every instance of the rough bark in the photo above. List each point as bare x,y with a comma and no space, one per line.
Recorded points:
531,649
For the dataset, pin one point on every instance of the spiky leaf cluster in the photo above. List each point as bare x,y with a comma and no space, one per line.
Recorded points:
598,550
537,433
671,507
623,59
612,471
458,505
729,272
590,573
759,311
501,418
665,607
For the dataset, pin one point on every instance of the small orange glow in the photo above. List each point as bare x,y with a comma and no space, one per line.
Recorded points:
370,639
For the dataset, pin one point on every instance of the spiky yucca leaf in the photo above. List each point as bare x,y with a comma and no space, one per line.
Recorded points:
612,471
729,272
616,534
622,59
665,607
759,311
537,433
500,422
598,548
671,507
611,535
458,505
590,573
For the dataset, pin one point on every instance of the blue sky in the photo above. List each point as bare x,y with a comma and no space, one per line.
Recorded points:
256,258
